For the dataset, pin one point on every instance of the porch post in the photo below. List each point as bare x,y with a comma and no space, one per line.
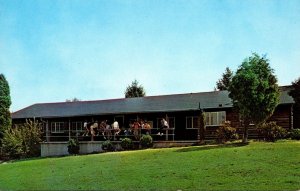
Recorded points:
69,129
47,131
292,117
201,126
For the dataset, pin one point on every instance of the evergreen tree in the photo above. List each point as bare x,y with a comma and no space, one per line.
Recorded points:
134,90
254,91
295,92
5,102
223,83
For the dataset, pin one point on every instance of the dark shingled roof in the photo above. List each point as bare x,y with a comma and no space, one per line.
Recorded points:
166,103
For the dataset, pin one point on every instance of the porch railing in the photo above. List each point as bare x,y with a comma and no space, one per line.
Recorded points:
168,134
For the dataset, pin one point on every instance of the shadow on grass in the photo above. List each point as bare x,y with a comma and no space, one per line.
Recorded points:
209,147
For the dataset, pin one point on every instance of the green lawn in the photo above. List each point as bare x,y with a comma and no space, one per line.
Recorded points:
257,166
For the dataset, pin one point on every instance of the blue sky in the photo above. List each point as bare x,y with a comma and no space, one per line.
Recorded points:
51,51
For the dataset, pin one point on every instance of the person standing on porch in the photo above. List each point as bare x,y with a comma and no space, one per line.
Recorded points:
147,128
107,130
116,129
102,127
93,127
136,128
85,126
163,124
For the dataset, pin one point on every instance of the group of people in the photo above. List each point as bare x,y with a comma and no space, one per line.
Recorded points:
105,129
138,125
135,128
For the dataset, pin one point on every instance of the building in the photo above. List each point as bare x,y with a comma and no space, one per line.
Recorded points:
65,120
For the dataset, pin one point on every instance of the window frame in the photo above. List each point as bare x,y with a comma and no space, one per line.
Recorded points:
192,118
219,118
77,129
59,127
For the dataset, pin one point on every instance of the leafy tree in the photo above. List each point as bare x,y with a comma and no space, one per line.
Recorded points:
23,140
223,83
134,90
5,102
295,92
73,100
254,91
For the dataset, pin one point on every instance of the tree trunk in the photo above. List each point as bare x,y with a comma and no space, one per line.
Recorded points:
245,135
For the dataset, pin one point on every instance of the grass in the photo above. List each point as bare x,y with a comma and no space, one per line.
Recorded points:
257,166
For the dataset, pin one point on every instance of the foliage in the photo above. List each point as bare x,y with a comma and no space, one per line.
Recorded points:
295,92
134,90
271,131
249,167
225,132
73,100
224,82
5,102
108,146
12,144
295,134
254,91
23,140
73,146
126,143
146,141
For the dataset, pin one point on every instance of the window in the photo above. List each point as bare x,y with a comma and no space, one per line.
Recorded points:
215,118
77,126
170,120
57,127
191,122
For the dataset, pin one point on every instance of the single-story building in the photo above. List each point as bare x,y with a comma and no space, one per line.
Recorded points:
65,120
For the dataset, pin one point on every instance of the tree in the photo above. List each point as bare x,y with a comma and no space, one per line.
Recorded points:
23,140
134,90
73,100
295,92
254,91
5,102
223,83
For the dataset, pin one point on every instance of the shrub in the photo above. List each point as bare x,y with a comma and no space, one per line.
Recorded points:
295,134
225,132
73,146
126,143
13,144
23,140
146,141
271,131
107,146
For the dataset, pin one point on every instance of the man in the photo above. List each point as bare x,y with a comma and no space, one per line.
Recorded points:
85,126
116,128
163,125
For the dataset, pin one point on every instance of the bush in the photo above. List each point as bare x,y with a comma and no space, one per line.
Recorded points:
146,141
126,143
12,144
107,146
295,134
73,146
225,132
23,140
271,131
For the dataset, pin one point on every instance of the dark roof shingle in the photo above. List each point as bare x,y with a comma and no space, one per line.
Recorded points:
166,103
